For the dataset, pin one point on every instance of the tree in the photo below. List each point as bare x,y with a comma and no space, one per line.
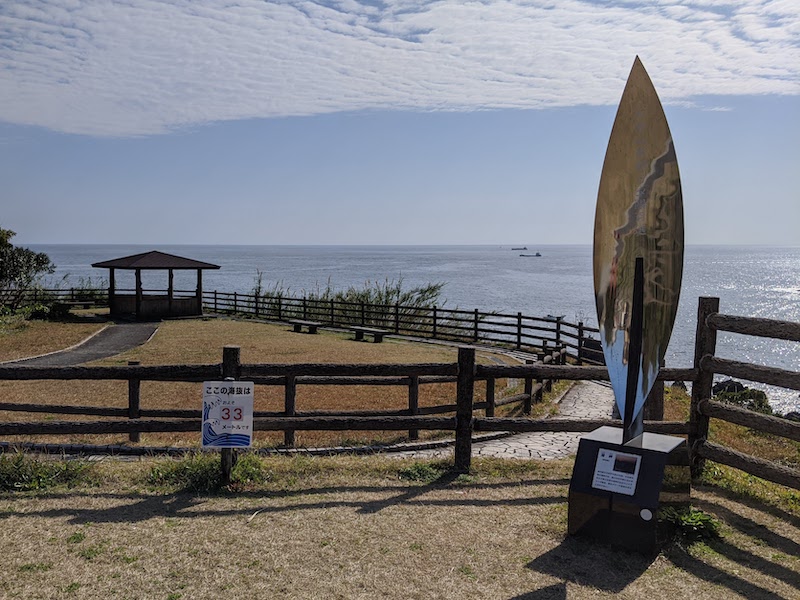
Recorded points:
20,268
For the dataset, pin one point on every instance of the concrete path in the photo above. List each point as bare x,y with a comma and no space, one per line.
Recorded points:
586,400
110,341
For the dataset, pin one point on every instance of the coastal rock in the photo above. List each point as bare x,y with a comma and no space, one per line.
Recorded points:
729,385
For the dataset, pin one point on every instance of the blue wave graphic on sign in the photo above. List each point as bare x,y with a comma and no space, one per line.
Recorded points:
224,440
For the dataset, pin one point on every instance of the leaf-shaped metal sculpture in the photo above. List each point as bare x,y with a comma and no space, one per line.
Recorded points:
639,215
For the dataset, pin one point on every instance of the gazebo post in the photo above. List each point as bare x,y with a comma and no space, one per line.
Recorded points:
138,293
199,291
170,291
111,291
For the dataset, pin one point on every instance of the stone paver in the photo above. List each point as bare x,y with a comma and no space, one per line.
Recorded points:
585,400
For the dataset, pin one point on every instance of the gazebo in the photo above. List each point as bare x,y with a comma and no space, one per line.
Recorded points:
154,305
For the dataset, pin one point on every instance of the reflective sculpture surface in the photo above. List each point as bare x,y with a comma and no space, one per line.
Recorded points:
639,215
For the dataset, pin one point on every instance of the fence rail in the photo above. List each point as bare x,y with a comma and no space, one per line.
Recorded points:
537,334
703,409
461,416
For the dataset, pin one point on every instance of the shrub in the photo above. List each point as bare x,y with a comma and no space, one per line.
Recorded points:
690,525
202,472
420,472
21,472
748,398
193,473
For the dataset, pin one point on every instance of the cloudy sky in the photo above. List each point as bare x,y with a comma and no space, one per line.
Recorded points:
362,121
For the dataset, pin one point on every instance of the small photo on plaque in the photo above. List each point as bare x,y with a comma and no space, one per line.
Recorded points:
616,471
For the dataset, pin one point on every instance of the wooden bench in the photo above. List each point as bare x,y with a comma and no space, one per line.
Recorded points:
76,303
377,334
311,326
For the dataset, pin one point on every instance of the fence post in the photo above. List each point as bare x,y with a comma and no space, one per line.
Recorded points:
280,308
654,405
434,322
363,314
464,423
558,331
397,317
255,305
413,404
705,343
526,405
519,331
231,370
305,308
290,408
235,303
134,386
548,383
215,301
333,313
490,399
580,343
475,327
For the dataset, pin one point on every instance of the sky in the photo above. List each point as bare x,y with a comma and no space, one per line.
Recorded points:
372,122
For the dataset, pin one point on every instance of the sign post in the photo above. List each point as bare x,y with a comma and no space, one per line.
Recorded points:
228,412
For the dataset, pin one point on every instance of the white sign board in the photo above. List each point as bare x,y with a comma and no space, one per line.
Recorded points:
227,414
616,471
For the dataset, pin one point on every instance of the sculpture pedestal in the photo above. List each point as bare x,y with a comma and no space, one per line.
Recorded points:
615,488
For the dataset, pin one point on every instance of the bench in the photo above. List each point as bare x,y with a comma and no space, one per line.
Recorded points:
76,303
298,325
377,334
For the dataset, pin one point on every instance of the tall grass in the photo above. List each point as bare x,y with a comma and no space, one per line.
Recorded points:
375,304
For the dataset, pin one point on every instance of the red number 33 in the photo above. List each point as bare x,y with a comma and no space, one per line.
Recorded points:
227,414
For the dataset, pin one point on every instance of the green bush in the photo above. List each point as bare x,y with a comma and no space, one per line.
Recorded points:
748,398
202,472
690,525
249,469
21,472
420,472
193,473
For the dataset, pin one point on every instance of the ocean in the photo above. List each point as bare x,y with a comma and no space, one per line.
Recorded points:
756,281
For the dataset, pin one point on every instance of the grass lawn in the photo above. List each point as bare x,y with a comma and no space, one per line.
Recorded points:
22,339
350,527
371,527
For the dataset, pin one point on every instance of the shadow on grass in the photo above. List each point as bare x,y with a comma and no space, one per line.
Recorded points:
551,592
576,560
138,507
739,586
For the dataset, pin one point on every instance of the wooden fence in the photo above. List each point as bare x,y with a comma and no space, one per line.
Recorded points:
517,331
459,417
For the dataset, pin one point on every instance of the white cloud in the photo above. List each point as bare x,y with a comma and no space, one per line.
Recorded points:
144,67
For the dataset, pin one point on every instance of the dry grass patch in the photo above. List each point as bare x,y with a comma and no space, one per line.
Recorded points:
22,339
356,528
201,342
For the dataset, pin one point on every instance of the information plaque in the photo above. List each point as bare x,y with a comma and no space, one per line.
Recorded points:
227,414
616,471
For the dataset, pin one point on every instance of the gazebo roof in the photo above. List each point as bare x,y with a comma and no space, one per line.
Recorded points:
154,260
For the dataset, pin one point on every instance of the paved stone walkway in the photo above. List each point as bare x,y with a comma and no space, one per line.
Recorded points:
585,400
